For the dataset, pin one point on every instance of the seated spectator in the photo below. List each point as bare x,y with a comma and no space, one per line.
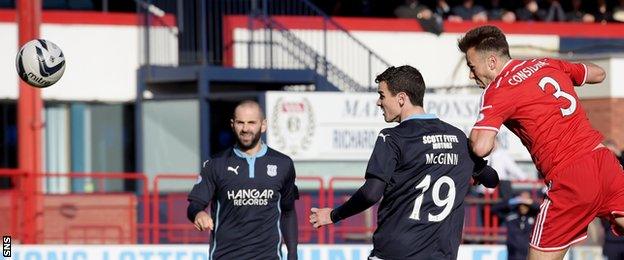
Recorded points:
618,11
429,21
554,12
443,9
578,15
413,9
603,15
468,11
498,13
530,11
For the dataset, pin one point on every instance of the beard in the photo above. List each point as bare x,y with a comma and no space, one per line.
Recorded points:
248,144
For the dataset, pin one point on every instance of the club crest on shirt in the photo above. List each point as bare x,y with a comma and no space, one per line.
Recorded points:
271,170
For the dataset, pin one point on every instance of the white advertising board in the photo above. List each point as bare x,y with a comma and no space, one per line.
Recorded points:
326,126
200,252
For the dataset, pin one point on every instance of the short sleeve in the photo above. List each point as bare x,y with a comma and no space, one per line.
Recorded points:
289,190
205,187
576,71
496,108
382,163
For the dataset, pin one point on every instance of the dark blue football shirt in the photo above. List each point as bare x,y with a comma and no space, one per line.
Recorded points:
247,195
427,169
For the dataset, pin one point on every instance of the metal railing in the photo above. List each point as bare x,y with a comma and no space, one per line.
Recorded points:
158,216
292,34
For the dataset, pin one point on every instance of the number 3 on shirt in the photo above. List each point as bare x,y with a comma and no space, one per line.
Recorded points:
447,202
558,93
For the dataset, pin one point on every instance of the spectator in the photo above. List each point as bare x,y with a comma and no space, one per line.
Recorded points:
429,21
603,15
618,11
613,247
413,9
555,12
443,9
498,13
518,214
530,11
468,11
578,15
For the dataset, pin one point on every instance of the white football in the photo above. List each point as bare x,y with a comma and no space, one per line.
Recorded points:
40,63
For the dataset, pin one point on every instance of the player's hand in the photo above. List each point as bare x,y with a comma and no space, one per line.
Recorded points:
320,217
203,221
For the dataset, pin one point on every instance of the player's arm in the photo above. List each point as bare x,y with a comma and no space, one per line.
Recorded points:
288,223
379,171
365,197
199,198
595,73
288,218
581,73
482,141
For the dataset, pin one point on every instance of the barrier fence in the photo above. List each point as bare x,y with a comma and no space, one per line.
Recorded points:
158,216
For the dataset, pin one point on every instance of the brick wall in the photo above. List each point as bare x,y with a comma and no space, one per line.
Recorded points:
607,115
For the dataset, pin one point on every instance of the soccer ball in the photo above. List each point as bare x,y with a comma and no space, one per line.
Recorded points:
40,63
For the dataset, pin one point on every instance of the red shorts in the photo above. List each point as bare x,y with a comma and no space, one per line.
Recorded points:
589,187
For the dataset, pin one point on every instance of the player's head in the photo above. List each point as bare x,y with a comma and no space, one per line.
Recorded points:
248,123
487,51
399,87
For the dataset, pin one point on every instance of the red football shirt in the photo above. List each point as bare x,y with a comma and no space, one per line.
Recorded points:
536,100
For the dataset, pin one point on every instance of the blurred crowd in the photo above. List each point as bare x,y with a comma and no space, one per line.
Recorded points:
594,11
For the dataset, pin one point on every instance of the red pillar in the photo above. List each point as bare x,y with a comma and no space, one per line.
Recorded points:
29,125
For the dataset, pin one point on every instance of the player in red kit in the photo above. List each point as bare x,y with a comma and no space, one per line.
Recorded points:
536,100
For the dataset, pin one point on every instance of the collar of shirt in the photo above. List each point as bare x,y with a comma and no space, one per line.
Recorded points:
505,68
262,152
251,159
420,117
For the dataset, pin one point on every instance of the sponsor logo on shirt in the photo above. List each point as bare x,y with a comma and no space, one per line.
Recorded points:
440,141
250,197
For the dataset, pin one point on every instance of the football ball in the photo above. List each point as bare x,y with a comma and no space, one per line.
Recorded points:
40,63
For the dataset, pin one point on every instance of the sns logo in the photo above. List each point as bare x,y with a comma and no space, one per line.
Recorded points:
6,246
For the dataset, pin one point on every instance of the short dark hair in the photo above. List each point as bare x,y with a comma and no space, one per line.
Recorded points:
248,103
404,79
485,38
